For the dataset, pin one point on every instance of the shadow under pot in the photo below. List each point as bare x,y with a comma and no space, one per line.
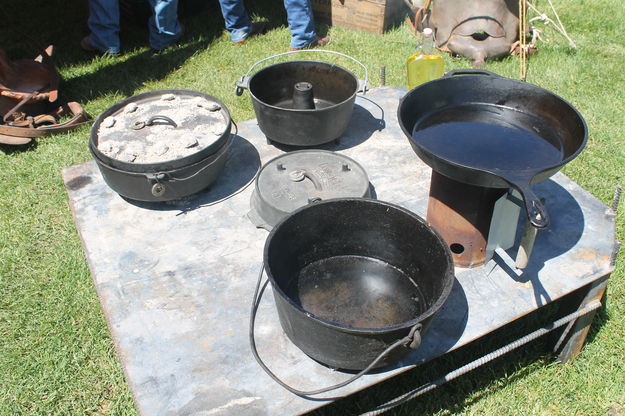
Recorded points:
162,145
353,276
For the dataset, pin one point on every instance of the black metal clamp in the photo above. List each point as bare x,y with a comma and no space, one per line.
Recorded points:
158,188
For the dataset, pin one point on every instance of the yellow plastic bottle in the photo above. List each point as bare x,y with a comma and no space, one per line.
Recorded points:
426,64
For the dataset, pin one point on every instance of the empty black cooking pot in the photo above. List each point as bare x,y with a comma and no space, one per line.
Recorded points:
302,103
353,276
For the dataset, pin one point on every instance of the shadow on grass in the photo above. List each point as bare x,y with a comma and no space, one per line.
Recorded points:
10,149
127,76
449,398
53,22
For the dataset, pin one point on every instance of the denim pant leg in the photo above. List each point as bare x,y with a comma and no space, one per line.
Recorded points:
236,18
163,25
103,23
301,24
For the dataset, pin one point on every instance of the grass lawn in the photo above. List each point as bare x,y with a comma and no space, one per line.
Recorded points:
56,353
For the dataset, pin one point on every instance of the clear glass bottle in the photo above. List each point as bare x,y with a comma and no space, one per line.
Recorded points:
426,64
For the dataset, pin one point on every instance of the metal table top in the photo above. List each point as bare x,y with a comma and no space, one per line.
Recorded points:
176,279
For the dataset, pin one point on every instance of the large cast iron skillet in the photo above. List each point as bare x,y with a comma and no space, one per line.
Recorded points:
479,128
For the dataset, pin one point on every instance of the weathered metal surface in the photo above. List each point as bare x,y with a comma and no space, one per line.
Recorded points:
176,279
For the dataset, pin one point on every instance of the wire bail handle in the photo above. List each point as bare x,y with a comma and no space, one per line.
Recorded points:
412,340
243,82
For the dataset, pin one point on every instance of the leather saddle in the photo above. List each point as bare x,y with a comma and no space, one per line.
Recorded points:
29,100
477,30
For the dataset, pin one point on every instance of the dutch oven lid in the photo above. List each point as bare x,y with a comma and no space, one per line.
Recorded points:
295,179
164,129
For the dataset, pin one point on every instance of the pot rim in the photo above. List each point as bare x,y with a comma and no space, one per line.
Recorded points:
299,110
171,164
449,275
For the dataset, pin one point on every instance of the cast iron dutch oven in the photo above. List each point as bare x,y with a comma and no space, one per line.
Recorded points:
170,179
353,276
303,103
480,128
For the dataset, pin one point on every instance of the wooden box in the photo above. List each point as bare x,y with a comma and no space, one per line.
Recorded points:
367,15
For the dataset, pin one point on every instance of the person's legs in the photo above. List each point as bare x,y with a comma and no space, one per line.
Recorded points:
301,24
163,25
103,23
236,18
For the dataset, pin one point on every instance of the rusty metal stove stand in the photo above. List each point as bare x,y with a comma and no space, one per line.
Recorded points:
462,214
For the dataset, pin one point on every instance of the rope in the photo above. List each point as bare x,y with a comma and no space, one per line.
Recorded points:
483,360
553,9
522,40
559,27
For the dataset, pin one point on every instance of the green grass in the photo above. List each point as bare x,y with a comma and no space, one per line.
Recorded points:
56,353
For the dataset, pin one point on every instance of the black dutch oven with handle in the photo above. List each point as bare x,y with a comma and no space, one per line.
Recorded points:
483,129
169,179
356,282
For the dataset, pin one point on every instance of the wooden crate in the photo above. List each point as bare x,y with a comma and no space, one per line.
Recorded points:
367,15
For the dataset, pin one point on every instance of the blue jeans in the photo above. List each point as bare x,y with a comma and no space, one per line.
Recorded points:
236,19
103,22
299,16
301,24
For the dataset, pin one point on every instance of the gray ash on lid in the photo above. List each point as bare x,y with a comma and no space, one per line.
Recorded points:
199,123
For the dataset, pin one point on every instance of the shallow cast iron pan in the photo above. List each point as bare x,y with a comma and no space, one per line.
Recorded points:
480,128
